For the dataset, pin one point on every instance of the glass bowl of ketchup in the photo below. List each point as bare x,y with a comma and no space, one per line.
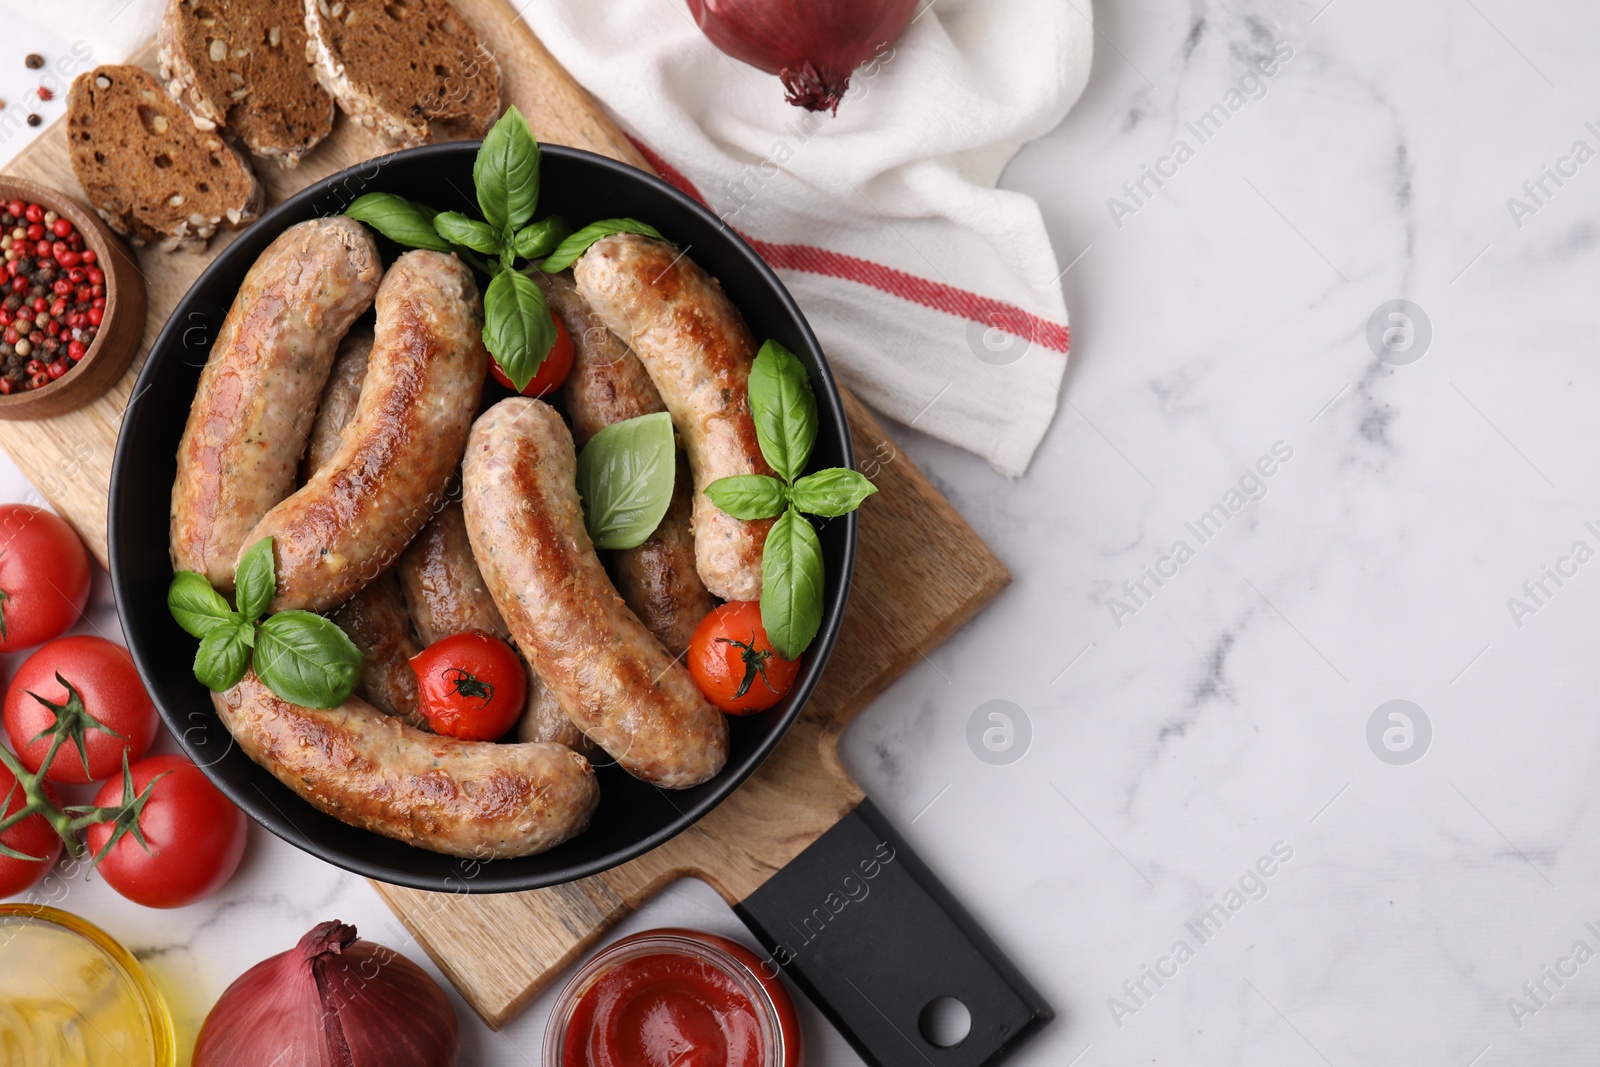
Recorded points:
674,997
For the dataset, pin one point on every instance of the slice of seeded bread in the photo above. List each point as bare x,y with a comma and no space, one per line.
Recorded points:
241,65
403,67
146,169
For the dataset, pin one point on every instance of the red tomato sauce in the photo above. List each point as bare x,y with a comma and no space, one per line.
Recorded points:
664,1010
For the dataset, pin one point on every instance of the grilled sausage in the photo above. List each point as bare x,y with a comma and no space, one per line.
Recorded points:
463,798
426,369
444,590
608,384
609,673
258,392
374,619
443,586
338,402
698,351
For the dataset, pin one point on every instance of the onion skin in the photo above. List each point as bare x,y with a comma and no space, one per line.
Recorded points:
331,1001
812,45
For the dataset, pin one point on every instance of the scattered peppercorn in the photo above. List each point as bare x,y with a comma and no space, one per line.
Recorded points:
46,93
54,300
34,119
34,61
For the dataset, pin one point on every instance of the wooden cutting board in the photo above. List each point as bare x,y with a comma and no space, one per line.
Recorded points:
920,575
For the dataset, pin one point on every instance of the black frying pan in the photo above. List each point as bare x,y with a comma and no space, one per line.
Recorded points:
633,817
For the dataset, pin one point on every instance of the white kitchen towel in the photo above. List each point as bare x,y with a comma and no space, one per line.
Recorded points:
936,296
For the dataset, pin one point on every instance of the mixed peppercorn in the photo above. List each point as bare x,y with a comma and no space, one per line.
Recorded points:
55,297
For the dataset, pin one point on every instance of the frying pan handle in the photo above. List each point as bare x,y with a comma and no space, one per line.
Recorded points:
873,937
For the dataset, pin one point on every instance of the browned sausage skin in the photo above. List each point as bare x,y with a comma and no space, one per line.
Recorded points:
338,403
426,369
611,675
608,384
443,586
258,392
698,351
376,620
463,798
446,595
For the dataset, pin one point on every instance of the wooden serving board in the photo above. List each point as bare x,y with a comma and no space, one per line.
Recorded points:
921,573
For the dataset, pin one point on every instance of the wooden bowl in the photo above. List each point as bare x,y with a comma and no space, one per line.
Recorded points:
121,325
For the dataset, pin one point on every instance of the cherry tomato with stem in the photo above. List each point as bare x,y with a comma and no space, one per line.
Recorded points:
44,576
734,664
29,847
552,372
91,689
473,686
174,838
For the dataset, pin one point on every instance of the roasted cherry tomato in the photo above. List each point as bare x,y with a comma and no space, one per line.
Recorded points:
107,707
734,664
31,837
472,686
552,372
193,835
44,576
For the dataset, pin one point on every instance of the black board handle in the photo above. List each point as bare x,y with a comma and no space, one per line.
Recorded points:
871,935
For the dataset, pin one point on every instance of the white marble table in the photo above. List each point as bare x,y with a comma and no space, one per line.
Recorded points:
1192,734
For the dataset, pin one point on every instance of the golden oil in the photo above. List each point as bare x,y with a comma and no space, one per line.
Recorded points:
70,996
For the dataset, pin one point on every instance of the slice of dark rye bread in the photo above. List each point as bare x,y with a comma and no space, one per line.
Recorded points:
241,65
145,167
400,67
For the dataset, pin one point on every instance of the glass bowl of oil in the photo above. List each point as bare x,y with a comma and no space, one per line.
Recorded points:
70,996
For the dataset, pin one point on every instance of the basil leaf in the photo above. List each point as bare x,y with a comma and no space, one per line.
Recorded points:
540,238
256,580
784,409
832,492
223,656
306,659
196,607
748,496
625,476
517,327
458,229
402,221
791,584
568,251
506,173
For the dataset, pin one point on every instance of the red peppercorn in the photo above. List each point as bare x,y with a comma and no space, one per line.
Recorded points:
57,369
33,213
76,349
95,315
39,380
40,303
35,231
46,93
61,287
25,312
62,227
16,208
76,275
35,366
69,258
96,275
53,328
90,257
5,386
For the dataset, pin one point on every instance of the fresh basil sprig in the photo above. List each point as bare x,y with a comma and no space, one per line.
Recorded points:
405,222
300,656
785,414
517,328
625,476
568,251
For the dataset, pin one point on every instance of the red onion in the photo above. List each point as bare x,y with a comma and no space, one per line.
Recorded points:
331,1001
813,45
